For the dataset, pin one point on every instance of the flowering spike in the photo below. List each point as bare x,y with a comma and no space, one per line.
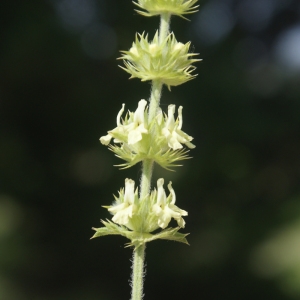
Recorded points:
149,135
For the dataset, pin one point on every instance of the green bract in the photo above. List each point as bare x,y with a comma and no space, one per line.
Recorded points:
162,140
168,62
173,7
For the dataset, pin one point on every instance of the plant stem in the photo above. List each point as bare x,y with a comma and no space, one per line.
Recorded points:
139,253
154,105
146,178
154,99
138,272
164,26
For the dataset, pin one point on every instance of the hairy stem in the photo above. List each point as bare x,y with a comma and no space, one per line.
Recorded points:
138,273
146,178
154,99
164,26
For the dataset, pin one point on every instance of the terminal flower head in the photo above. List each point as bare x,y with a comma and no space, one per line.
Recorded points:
174,7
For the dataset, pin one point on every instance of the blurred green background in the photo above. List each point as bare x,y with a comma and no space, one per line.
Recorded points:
61,89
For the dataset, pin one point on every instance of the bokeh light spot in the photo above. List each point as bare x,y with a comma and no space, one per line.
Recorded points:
255,15
213,23
76,14
279,258
10,215
287,49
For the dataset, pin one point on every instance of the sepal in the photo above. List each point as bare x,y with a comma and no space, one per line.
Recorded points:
167,160
170,234
138,239
110,228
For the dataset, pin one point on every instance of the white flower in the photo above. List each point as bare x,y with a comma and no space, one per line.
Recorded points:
124,207
172,130
137,127
105,140
130,130
165,208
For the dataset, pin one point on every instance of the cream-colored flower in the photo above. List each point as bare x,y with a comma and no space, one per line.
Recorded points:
131,129
137,127
172,130
165,208
124,207
105,140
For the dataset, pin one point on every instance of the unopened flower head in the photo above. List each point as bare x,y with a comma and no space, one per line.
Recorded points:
148,214
163,140
174,7
168,62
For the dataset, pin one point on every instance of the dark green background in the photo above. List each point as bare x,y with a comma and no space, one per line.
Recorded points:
61,89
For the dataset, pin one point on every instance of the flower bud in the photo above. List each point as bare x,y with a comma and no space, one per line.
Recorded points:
168,62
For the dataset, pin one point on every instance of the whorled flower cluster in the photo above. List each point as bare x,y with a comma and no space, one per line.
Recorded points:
162,140
146,215
174,7
168,61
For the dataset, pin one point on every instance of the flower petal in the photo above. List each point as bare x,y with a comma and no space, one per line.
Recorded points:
139,113
120,114
129,191
105,140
